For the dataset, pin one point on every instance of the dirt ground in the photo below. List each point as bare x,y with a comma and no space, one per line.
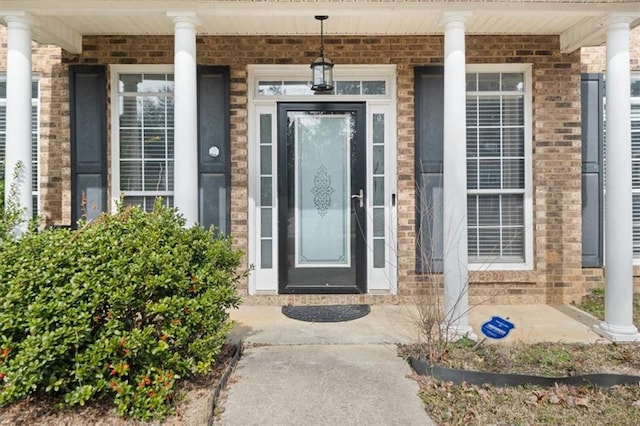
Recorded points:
193,408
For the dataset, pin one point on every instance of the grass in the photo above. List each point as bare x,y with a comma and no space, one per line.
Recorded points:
594,304
450,404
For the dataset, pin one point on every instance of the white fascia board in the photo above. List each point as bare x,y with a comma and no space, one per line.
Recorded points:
590,32
51,31
48,30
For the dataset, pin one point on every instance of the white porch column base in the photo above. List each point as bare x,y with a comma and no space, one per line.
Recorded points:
617,333
618,316
456,275
18,137
455,332
186,117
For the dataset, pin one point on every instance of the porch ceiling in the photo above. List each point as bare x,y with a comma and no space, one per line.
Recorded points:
64,22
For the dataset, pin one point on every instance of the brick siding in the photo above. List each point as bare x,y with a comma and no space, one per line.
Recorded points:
557,276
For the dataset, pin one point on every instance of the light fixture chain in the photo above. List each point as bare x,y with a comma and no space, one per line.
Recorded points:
322,38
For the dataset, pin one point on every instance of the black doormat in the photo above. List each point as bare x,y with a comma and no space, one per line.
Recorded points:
326,313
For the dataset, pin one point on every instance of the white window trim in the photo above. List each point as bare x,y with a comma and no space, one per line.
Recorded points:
526,69
115,71
266,281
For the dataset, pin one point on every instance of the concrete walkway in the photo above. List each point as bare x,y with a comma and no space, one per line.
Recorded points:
299,373
323,385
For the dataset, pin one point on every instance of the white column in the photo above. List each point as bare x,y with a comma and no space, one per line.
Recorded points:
186,117
456,277
18,136
618,317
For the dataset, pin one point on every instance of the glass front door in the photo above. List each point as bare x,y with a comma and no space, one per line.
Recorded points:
321,197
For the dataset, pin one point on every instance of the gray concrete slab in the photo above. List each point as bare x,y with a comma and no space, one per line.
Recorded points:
267,325
398,324
539,323
348,373
322,385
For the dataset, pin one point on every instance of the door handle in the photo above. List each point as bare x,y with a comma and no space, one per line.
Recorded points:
360,197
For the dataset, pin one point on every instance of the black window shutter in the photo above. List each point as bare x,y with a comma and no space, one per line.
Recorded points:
592,170
88,103
429,144
214,156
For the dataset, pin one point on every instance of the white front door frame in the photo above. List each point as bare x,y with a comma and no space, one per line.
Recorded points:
262,138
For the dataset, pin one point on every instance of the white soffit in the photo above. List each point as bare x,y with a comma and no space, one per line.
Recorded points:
577,20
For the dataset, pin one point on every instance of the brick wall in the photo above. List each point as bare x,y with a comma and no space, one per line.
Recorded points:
557,273
555,118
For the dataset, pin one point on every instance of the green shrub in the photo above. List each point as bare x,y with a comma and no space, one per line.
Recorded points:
121,308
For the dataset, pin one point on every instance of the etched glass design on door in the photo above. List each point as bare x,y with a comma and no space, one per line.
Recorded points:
322,190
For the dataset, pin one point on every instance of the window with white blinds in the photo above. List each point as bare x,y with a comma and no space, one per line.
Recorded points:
146,138
497,162
635,162
35,105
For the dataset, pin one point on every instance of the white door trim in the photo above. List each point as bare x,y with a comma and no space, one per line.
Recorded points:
262,113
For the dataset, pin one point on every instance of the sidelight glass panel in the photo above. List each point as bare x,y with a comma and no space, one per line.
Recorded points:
378,160
378,191
266,222
265,129
265,160
266,254
378,129
379,208
378,222
266,191
322,190
378,254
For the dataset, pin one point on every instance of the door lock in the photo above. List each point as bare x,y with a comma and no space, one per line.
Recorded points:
360,197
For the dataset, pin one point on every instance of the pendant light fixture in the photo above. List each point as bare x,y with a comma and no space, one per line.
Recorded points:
322,68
